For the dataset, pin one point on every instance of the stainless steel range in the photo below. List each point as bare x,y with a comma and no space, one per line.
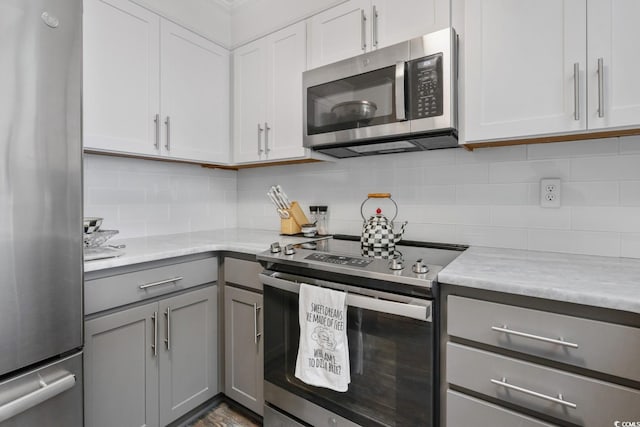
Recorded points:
391,333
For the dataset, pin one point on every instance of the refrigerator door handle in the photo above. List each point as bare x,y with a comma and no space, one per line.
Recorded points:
42,394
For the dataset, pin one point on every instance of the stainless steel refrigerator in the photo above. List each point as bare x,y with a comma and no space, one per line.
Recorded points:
40,213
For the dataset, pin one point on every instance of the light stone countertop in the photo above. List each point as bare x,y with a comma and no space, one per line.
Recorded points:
152,248
589,280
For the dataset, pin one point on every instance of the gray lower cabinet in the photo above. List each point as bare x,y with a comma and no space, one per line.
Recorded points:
244,348
559,367
148,365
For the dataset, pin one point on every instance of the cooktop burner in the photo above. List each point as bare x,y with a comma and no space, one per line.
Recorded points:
412,263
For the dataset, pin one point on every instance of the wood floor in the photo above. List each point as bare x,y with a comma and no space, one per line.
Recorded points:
223,415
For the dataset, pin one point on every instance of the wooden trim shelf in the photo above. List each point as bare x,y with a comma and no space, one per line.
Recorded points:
557,138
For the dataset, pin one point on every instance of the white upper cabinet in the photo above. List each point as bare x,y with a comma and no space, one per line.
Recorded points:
139,70
524,68
121,77
267,112
394,21
195,96
613,40
249,101
339,33
286,61
359,26
548,67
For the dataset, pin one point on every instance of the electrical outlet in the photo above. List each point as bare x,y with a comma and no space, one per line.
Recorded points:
550,192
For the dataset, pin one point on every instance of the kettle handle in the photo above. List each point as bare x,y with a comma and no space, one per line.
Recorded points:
378,196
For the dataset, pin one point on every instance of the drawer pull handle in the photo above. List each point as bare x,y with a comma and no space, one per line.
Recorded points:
506,330
558,399
161,282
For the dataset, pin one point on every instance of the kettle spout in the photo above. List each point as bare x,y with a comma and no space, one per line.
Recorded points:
398,236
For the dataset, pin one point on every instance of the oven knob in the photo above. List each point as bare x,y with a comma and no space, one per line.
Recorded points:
420,267
396,264
275,248
288,250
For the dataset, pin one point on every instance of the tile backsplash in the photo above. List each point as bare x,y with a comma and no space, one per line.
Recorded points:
143,197
487,197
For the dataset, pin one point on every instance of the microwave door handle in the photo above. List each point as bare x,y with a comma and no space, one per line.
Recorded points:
419,312
400,101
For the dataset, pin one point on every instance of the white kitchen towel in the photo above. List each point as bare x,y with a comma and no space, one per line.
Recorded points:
323,354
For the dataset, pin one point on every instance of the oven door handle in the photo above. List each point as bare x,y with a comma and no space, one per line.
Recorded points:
414,311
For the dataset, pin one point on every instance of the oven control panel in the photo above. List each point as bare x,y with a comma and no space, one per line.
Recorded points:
339,259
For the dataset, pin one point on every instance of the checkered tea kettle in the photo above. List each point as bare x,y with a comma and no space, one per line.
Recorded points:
377,231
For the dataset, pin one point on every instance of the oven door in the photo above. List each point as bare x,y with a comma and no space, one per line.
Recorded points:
357,99
391,349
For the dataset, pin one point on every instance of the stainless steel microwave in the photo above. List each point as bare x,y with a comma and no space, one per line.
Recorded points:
395,99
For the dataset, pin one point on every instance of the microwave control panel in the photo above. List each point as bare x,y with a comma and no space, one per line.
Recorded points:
425,87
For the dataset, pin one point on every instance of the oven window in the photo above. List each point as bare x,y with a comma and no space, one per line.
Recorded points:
391,361
354,102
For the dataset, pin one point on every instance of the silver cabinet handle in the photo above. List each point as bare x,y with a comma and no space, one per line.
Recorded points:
266,138
35,398
161,282
260,150
154,345
506,330
157,122
363,30
559,399
600,87
375,25
167,340
400,109
576,91
168,123
256,335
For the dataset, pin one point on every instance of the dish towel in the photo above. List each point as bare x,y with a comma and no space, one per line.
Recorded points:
323,354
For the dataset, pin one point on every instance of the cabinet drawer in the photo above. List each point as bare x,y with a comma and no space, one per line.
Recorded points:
599,346
465,411
242,272
121,289
584,401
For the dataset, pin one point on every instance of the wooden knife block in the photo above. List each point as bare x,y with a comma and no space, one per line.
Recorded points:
292,225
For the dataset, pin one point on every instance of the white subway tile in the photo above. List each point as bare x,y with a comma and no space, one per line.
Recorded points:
630,144
500,237
615,219
146,212
491,155
531,217
442,233
630,245
528,171
577,242
625,167
492,194
468,173
446,214
605,193
586,148
630,193
110,196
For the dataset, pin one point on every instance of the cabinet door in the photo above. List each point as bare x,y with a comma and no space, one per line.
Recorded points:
188,354
121,369
195,96
394,22
249,101
243,347
286,56
120,77
339,33
613,36
519,68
